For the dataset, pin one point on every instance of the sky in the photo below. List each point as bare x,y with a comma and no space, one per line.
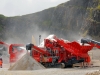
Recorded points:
22,7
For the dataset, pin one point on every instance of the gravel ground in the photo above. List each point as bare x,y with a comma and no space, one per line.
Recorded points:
55,71
52,71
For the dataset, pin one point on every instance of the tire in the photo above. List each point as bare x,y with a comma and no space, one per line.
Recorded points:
62,65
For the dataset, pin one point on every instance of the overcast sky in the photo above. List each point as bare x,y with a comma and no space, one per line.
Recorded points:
22,7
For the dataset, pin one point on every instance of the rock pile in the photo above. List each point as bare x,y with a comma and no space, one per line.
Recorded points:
94,73
26,63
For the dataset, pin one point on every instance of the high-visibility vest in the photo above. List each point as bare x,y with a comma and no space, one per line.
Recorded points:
0,62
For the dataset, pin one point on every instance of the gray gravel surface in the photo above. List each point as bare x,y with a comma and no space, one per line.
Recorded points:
51,71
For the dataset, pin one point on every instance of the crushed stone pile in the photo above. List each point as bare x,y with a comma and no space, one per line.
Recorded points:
26,63
94,73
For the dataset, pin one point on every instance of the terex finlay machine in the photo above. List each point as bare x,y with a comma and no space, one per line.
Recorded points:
56,52
13,51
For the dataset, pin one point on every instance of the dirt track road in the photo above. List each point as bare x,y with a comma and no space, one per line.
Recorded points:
53,71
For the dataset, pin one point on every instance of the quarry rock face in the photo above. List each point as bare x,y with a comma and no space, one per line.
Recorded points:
73,17
26,63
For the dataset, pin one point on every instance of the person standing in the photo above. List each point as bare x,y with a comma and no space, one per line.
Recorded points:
1,62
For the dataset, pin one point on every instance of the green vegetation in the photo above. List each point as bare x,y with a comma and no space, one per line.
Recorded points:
85,33
1,28
98,7
2,19
2,16
90,12
47,23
